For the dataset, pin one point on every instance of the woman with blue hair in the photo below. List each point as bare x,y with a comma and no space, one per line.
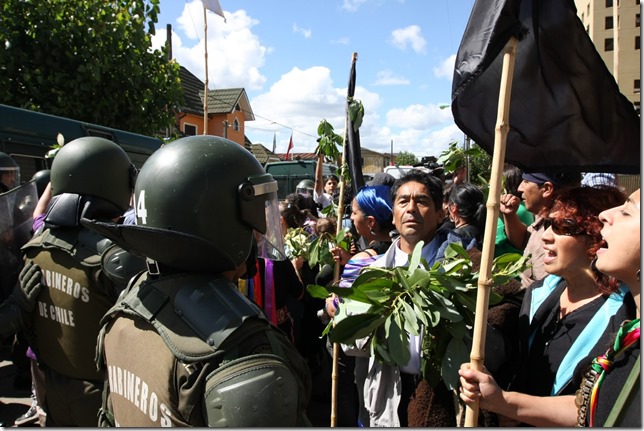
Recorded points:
371,214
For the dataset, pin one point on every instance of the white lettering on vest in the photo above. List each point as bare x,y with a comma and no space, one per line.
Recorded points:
154,406
144,397
136,391
42,309
66,285
57,314
129,385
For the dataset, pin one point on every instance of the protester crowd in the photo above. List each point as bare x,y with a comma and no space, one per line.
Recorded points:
167,297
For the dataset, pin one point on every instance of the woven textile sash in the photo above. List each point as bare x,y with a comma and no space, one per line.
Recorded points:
269,292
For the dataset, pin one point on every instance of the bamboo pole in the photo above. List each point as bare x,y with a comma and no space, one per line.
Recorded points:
477,354
336,268
205,90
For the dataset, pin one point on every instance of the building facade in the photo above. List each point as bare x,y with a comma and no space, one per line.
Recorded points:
614,27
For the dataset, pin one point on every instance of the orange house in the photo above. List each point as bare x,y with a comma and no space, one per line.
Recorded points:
228,110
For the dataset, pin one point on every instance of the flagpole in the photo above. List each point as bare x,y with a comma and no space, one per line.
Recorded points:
477,354
336,269
205,91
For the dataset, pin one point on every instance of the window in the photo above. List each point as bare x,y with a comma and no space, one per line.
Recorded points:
636,85
608,44
588,29
637,20
608,24
236,125
637,42
189,129
637,2
609,3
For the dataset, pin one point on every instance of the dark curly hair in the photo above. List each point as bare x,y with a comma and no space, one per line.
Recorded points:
583,205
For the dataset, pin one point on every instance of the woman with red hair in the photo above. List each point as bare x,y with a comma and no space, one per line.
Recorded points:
566,317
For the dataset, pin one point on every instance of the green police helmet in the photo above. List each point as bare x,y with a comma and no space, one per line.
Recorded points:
205,197
41,178
96,167
305,187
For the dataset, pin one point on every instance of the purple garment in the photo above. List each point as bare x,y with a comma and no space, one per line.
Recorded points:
352,269
38,222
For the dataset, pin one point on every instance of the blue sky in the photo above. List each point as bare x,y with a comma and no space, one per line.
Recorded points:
293,58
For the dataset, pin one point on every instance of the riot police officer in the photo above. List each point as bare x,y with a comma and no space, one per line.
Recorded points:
183,346
9,173
90,177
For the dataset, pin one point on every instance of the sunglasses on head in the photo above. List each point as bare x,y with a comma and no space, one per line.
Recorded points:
565,227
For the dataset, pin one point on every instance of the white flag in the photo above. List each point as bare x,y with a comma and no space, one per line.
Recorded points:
213,5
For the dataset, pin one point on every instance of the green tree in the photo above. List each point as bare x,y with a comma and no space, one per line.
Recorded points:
480,162
480,167
90,60
406,158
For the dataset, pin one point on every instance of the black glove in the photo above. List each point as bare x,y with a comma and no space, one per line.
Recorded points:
30,286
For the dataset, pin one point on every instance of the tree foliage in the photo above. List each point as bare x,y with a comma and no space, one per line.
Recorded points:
406,158
90,60
480,162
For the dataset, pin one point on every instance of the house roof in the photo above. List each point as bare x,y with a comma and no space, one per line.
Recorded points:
222,101
313,156
262,154
296,156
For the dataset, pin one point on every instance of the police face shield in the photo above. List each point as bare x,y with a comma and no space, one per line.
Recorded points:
304,191
260,209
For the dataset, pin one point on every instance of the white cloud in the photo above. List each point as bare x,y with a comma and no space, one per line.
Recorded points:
446,68
387,77
342,41
409,36
351,5
230,40
300,98
306,32
418,117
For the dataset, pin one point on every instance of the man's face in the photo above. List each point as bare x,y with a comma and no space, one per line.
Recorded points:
8,178
532,195
415,215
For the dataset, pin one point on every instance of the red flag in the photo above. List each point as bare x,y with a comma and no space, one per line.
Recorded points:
290,147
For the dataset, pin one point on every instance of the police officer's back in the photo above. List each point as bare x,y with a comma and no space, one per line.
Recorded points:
90,177
183,346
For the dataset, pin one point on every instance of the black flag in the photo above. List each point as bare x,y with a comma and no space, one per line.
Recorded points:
566,110
354,153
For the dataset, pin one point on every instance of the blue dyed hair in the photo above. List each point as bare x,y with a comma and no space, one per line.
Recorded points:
375,201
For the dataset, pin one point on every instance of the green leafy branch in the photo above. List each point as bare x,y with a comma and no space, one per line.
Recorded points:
317,251
356,112
455,156
437,302
329,143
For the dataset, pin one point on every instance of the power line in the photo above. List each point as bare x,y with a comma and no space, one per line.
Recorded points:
263,118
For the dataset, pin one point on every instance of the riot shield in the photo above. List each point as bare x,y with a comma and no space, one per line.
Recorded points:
16,210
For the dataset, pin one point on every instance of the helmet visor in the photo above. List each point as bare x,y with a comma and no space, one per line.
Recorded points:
271,244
